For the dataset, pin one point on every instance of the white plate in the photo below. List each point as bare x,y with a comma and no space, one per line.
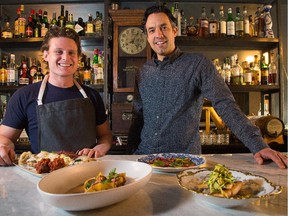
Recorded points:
190,178
55,186
198,160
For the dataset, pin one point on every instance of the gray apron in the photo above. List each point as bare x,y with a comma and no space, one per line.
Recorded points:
67,125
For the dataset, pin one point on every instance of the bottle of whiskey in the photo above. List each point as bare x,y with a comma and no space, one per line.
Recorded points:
44,24
22,22
246,23
3,72
38,76
273,70
177,15
7,32
264,71
29,29
230,24
11,71
239,23
203,24
256,71
247,73
98,22
61,18
16,24
222,22
213,24
87,72
90,27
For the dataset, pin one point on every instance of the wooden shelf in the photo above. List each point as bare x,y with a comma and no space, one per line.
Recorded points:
254,88
239,43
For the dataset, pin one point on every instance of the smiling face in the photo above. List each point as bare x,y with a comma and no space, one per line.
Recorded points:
62,58
161,34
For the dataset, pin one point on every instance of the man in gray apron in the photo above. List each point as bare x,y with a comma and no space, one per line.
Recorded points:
57,113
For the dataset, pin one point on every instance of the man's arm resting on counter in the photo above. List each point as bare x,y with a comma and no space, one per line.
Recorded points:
8,136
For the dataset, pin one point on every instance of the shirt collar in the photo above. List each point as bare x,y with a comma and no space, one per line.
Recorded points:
174,55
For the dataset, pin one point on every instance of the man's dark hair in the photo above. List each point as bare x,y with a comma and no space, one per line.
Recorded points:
158,9
56,31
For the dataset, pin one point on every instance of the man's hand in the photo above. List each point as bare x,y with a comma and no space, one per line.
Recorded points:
265,154
7,155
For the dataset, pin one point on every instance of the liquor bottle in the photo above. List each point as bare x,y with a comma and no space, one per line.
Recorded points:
40,15
251,26
90,27
32,14
33,67
54,20
273,71
246,23
256,71
222,22
235,73
29,29
213,24
16,25
230,24
87,72
24,76
246,73
3,72
7,32
264,71
177,15
203,24
268,22
80,27
70,22
95,63
259,23
44,24
61,18
239,23
183,24
38,76
37,27
100,70
191,27
227,71
11,71
22,22
98,22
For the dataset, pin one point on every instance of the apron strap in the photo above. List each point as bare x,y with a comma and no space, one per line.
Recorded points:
43,86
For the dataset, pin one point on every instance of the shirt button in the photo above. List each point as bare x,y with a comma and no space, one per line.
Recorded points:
157,117
156,134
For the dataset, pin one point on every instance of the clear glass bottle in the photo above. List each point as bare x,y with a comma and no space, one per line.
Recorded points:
246,22
222,22
203,24
256,71
273,70
251,26
177,15
239,23
213,24
247,75
230,24
70,22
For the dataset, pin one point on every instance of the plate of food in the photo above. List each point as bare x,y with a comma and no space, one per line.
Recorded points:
172,162
225,187
93,185
45,162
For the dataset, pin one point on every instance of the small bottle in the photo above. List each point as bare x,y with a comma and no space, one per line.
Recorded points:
256,71
22,22
29,29
222,22
203,24
246,23
273,71
7,32
264,71
54,20
177,15
251,26
24,76
98,24
38,76
44,24
213,24
246,73
3,72
90,27
16,25
11,71
33,67
61,18
70,22
87,72
239,23
191,28
230,24
80,27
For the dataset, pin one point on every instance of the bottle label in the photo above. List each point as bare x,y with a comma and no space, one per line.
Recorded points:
239,26
90,28
204,24
246,27
222,27
29,31
10,75
21,24
213,28
23,81
6,34
230,28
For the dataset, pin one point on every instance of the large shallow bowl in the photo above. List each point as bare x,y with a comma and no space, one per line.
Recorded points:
190,178
197,159
56,187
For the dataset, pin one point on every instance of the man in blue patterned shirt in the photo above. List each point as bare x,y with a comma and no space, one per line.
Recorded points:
169,94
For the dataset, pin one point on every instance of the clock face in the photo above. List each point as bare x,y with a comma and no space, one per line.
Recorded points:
132,40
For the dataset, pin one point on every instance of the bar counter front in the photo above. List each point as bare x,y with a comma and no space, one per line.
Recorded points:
161,196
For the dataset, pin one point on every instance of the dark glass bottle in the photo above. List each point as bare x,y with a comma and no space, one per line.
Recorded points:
24,76
29,29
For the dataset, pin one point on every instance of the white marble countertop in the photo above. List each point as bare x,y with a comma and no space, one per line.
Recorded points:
161,196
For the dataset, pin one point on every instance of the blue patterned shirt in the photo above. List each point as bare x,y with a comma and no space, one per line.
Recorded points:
168,101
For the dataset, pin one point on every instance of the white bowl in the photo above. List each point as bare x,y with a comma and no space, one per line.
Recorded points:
54,187
190,178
